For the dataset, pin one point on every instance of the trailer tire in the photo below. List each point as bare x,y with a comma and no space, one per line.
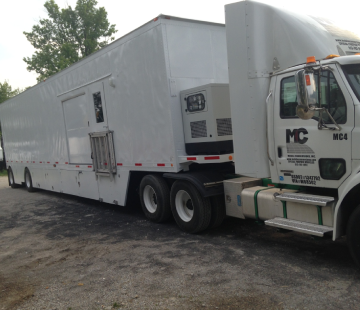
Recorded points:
353,235
155,198
191,211
28,181
11,178
218,211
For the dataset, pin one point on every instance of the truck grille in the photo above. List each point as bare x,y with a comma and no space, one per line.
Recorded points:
198,129
224,127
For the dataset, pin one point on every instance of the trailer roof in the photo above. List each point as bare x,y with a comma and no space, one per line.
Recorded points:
160,18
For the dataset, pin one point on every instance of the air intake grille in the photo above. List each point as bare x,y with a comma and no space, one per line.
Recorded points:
198,129
224,127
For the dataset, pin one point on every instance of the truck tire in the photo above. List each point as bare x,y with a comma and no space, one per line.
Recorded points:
218,211
28,181
191,211
353,235
11,178
155,198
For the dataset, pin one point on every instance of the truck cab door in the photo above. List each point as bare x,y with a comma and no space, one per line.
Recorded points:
305,155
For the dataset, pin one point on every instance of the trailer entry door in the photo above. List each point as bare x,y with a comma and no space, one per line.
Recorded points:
77,123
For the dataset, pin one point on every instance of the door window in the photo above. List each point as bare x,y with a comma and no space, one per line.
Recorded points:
288,102
330,97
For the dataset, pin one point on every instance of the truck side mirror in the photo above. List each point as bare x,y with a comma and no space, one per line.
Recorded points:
306,94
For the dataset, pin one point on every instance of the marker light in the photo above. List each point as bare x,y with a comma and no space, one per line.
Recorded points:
307,78
331,56
310,59
357,54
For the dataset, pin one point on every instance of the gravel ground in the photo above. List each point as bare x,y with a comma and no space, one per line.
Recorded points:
62,252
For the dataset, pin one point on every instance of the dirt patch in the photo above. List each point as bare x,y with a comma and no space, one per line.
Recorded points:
15,291
258,302
60,252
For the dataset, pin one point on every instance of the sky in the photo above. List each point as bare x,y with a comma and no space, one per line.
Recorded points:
20,15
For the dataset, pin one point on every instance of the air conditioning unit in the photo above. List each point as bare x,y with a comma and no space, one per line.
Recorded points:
207,120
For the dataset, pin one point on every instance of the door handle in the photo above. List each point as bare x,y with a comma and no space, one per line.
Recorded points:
279,152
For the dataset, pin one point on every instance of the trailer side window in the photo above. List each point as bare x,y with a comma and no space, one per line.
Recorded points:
98,107
288,101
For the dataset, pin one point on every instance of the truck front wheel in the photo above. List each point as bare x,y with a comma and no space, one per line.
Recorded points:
191,211
353,235
155,198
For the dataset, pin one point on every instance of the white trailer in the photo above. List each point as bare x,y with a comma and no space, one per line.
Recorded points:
274,139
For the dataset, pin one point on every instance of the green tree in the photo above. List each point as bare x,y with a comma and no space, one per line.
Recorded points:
66,36
7,92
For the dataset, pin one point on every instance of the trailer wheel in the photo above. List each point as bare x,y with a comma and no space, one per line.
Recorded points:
155,198
11,178
218,211
191,211
28,181
353,235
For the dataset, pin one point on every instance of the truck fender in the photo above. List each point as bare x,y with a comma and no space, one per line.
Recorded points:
348,194
208,183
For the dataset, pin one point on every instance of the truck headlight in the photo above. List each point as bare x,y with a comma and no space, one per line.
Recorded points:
332,168
195,102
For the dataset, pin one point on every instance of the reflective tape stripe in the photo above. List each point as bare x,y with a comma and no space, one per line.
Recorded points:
212,157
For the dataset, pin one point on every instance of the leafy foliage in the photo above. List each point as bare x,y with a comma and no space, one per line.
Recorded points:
66,36
7,92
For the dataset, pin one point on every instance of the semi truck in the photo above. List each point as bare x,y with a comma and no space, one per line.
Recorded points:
255,119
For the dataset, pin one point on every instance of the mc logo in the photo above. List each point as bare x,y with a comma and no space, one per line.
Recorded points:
296,135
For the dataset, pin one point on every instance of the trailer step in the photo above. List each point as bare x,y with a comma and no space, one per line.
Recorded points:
307,228
322,201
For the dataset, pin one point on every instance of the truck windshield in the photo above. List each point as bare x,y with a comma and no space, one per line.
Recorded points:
353,76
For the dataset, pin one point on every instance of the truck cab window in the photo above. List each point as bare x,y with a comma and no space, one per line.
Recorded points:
330,97
98,108
288,101
353,76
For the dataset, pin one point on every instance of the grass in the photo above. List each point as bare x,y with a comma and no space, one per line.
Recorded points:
3,173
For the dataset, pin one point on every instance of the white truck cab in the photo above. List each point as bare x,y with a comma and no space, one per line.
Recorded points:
294,85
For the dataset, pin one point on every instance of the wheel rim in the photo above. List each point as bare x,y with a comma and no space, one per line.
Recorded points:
184,206
11,177
27,180
150,199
